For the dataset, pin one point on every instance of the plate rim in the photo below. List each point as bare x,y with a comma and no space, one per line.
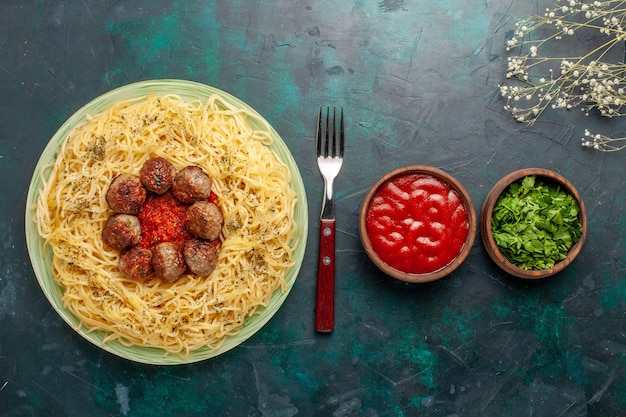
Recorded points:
36,245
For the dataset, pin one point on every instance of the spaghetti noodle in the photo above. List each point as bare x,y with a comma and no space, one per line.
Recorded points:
254,194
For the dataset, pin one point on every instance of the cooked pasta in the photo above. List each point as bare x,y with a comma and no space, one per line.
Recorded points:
254,194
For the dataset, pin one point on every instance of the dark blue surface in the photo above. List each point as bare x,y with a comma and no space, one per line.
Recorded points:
419,85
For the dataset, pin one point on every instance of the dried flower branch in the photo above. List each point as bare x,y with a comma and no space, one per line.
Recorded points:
590,81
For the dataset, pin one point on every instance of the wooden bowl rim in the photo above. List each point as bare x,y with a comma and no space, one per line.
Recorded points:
469,208
487,211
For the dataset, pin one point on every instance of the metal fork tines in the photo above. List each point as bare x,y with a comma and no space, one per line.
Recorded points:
330,147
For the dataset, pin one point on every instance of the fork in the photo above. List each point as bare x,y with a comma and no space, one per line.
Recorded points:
329,144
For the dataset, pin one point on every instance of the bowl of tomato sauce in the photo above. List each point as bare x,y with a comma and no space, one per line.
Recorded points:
417,223
533,223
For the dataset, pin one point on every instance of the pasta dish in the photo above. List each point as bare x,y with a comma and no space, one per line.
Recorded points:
253,191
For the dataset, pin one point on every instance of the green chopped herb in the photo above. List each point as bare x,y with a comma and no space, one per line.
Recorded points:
535,223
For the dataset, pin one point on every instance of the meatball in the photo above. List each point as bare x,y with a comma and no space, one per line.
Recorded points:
191,184
201,256
157,175
204,220
126,194
121,231
136,263
168,261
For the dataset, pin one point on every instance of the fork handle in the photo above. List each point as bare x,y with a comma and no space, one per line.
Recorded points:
325,308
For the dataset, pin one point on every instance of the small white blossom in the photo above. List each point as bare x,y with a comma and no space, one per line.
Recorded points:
546,81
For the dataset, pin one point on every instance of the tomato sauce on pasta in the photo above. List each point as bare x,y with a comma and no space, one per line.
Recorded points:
252,187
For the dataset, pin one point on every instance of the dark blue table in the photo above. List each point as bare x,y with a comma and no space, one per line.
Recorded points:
419,85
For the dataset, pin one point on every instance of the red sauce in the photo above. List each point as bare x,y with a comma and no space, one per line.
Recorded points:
162,219
417,223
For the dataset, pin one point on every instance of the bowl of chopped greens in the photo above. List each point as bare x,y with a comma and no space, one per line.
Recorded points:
533,223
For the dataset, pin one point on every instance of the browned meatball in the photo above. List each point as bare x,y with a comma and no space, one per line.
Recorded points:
121,231
168,261
126,194
204,220
157,175
201,256
191,184
136,263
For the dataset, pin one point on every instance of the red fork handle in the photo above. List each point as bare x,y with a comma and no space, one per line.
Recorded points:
325,306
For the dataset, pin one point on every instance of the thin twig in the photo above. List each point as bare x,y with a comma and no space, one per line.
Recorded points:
588,81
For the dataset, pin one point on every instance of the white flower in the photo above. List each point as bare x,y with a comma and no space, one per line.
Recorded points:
579,81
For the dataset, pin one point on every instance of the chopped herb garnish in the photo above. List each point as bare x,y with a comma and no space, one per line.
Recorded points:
535,223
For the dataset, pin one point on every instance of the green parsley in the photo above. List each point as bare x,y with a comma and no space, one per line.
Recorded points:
535,223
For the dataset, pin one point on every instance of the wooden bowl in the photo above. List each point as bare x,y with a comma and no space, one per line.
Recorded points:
487,212
462,199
